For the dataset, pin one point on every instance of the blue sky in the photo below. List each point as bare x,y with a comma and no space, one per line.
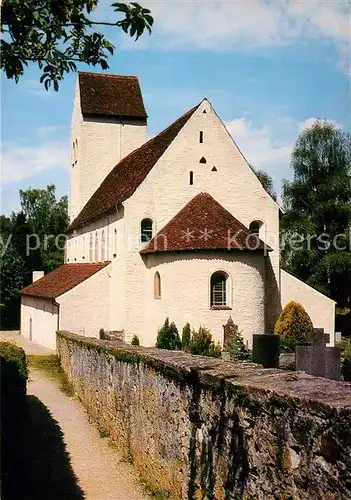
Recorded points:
269,68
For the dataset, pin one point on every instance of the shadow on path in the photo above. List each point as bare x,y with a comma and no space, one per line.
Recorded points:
48,471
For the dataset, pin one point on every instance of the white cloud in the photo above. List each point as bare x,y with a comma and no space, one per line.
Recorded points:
311,121
260,145
242,24
20,162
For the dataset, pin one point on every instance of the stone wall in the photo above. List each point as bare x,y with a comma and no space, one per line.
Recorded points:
199,427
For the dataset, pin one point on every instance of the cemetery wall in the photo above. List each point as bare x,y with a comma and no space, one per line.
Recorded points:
198,427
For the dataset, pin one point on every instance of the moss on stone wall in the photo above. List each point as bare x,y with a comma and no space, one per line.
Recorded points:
202,428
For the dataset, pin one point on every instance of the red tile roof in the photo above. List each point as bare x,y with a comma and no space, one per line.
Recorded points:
110,95
128,174
203,224
62,279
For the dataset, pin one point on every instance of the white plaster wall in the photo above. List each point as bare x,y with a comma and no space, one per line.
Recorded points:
102,143
44,316
166,190
164,193
76,123
185,294
320,308
85,308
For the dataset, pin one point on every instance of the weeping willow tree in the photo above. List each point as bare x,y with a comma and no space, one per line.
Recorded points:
316,226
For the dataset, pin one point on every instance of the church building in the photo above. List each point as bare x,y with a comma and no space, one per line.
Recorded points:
175,226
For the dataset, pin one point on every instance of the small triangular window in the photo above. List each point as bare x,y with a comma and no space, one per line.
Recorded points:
203,160
214,169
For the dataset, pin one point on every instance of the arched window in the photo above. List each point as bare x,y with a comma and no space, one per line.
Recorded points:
73,153
103,243
219,289
157,285
146,230
91,248
256,227
191,178
76,158
201,137
96,247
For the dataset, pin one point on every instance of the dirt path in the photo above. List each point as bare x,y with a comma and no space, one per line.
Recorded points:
67,457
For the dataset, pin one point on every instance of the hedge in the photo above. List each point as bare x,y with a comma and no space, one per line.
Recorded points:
14,374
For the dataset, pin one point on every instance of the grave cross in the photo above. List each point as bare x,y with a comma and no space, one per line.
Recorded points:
317,359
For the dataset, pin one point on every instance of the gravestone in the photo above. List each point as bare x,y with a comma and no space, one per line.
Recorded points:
317,359
230,333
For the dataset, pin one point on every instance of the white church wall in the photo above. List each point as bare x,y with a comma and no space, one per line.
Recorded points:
163,194
166,190
185,294
39,320
320,308
85,308
102,143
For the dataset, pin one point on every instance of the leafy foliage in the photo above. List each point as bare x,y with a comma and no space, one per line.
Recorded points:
135,340
318,209
186,336
58,34
46,218
202,343
168,337
13,353
267,182
294,326
345,346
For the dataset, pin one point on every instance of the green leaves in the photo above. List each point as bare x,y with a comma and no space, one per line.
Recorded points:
318,202
57,34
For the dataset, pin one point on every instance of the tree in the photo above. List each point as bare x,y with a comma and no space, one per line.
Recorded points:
168,337
317,222
58,34
13,271
47,220
32,239
186,335
267,183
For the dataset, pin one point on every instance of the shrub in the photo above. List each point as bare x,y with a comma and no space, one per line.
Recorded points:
202,343
13,376
186,336
237,348
135,340
16,355
345,346
294,326
168,337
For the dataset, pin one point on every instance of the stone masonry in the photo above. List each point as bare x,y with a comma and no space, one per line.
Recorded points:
198,427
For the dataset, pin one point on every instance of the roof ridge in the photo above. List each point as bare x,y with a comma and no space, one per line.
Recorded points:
147,147
110,75
203,224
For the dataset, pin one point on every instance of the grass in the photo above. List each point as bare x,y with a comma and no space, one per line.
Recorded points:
50,365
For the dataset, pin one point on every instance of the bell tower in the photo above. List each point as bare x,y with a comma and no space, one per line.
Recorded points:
108,122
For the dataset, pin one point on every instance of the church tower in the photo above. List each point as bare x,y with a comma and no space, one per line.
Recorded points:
109,121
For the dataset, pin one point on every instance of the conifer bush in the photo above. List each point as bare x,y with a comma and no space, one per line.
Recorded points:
294,326
237,348
168,337
135,340
202,343
186,336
